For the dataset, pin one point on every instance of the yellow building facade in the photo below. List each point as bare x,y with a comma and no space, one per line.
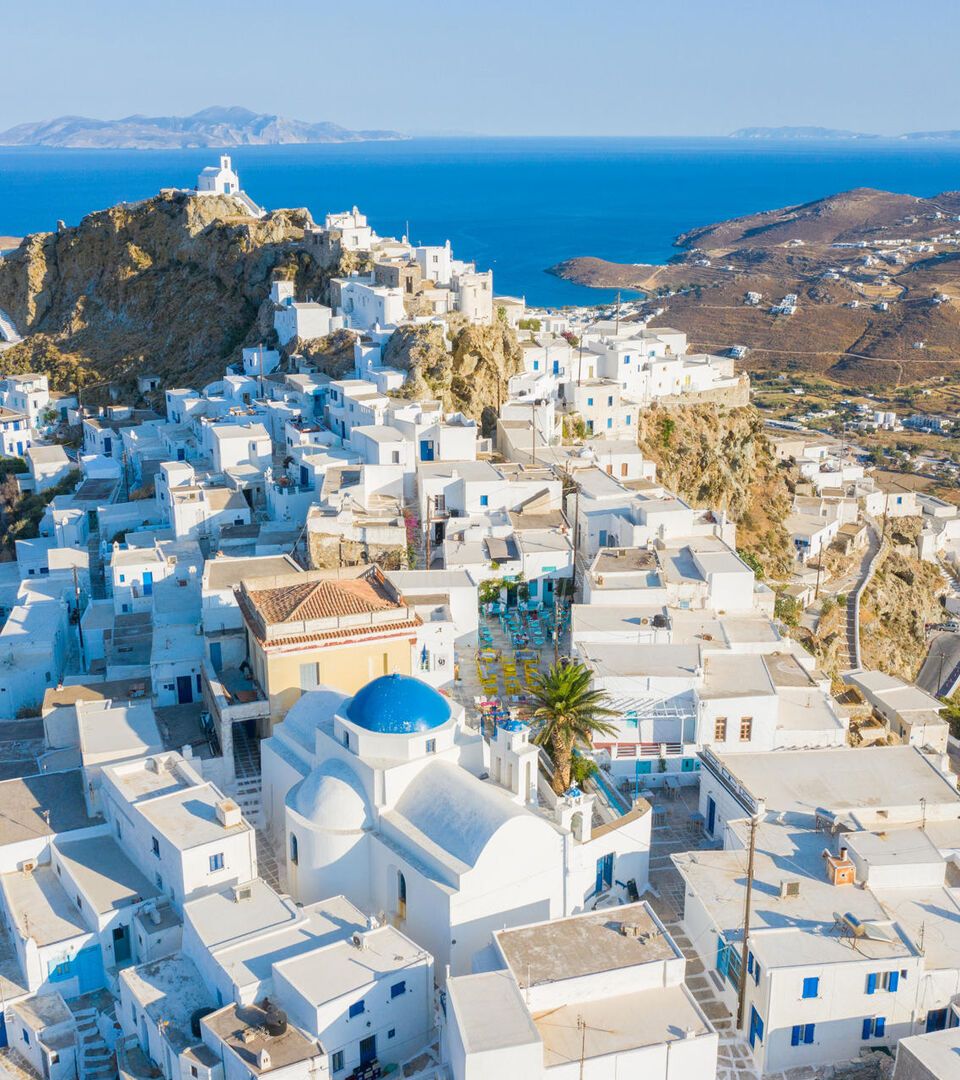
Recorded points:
325,628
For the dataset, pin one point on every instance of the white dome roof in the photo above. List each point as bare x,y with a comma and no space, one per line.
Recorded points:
331,798
305,715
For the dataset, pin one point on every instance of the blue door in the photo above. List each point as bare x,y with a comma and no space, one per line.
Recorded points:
184,690
604,872
3,1030
937,1020
756,1027
711,814
107,447
88,968
426,450
304,476
368,1050
216,656
181,453
148,583
20,449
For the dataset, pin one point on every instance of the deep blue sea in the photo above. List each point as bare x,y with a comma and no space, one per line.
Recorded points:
514,205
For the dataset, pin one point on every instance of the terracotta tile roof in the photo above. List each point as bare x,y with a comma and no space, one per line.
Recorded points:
321,600
381,629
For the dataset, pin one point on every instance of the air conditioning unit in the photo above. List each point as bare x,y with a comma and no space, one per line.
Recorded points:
789,888
242,892
357,940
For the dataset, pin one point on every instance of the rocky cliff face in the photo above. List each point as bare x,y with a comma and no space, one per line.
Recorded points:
176,284
903,595
466,367
718,457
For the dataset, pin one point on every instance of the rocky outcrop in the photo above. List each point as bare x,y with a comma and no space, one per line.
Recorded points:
332,355
177,284
720,458
466,367
902,597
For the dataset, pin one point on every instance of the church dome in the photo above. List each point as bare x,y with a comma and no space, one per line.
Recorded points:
331,797
398,705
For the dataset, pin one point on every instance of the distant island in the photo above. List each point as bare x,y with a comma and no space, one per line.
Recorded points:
218,126
836,133
797,133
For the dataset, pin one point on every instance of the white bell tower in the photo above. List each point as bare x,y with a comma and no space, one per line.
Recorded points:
514,761
574,813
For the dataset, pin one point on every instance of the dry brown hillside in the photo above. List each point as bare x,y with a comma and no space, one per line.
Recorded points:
901,251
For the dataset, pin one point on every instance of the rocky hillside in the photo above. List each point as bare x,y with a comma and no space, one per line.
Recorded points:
464,366
719,457
902,597
877,275
175,285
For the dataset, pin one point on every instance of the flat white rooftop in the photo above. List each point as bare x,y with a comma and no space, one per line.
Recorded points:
40,907
788,930
491,1012
845,779
102,871
251,959
616,1025
938,1054
341,968
188,817
583,945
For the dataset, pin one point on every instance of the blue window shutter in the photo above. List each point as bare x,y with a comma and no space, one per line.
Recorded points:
893,981
750,962
795,1035
872,983
867,1028
811,987
756,973
808,1033
879,1026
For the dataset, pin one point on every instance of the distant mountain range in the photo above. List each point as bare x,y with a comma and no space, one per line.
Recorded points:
835,133
217,126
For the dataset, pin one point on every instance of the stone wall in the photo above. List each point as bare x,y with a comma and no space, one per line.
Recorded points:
730,396
326,552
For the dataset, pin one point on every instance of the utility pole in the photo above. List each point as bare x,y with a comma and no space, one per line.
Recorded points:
581,1024
76,594
533,431
741,996
576,540
556,626
429,500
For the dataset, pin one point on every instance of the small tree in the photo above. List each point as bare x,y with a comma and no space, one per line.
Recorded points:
786,609
570,713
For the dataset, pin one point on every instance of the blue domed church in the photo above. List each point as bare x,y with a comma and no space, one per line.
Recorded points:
388,798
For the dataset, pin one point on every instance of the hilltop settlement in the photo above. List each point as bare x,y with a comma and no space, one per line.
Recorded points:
564,734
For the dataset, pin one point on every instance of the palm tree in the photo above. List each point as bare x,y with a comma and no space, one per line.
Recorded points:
569,712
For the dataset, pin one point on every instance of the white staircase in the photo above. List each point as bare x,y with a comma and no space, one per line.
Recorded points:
246,791
8,332
95,1060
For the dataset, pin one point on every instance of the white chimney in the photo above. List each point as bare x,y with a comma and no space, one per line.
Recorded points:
228,813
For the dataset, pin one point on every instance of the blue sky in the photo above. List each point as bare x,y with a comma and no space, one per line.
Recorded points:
553,67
